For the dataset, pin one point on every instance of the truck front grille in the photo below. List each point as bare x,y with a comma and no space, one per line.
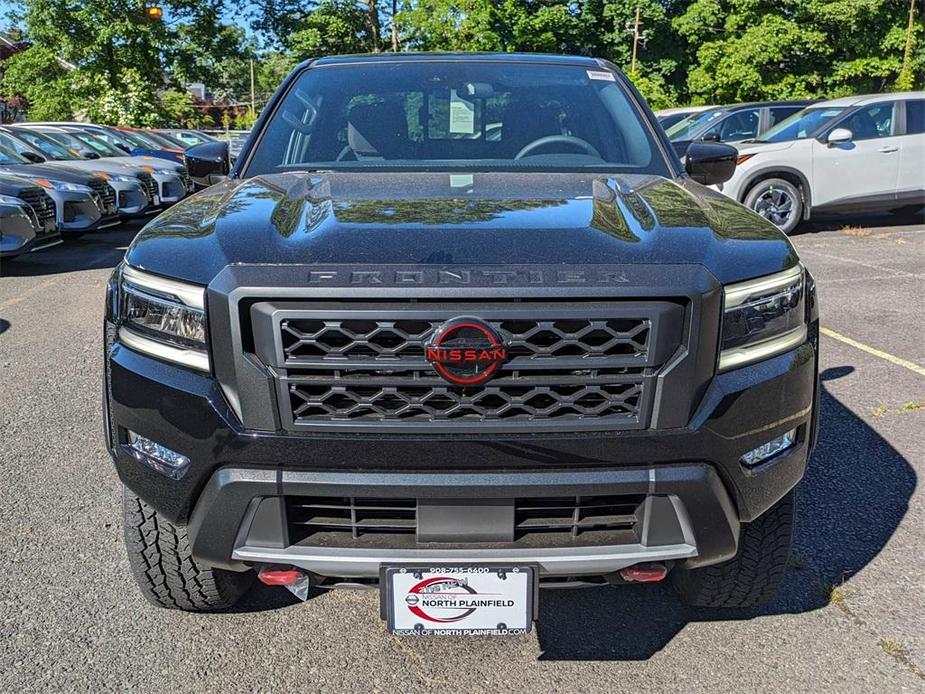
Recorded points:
419,396
570,366
373,339
550,521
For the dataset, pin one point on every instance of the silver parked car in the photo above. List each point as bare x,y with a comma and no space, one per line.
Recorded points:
83,200
171,177
28,217
136,191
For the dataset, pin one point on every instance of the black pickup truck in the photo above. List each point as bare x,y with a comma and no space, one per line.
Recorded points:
459,327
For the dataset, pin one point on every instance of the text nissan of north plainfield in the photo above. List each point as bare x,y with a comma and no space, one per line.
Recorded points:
459,327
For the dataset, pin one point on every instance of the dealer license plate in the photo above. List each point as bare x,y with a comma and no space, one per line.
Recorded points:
459,600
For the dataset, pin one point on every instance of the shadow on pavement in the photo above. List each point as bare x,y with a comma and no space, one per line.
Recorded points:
855,493
94,251
828,222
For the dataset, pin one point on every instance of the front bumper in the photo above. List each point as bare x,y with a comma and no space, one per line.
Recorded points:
18,233
170,187
695,469
80,212
131,199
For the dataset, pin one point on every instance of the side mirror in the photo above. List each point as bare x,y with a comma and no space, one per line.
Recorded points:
90,154
124,148
710,137
839,136
207,163
710,163
33,157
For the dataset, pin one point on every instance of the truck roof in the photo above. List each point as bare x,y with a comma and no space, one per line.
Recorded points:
461,56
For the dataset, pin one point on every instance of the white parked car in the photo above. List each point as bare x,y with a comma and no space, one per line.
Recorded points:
858,153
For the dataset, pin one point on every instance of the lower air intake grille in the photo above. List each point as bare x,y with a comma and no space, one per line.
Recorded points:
576,515
353,516
538,521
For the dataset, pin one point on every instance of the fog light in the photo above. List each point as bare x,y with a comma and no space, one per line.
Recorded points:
157,457
772,447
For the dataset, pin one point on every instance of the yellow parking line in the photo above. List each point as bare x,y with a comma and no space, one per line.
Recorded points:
876,352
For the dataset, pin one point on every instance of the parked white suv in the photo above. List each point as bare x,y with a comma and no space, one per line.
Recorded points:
856,153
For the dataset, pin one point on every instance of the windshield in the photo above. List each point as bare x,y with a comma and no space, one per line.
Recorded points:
8,156
456,115
160,140
801,125
47,146
190,138
137,140
98,144
16,145
687,128
113,139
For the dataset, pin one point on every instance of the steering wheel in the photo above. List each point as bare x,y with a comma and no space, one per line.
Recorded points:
564,139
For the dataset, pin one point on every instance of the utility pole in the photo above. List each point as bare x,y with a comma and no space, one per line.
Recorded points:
904,81
636,41
253,100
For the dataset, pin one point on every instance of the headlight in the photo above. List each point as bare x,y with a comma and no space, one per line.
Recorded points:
57,185
123,179
73,187
762,318
164,318
11,200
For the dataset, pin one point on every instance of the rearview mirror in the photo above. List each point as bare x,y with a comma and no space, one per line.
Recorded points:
207,163
710,163
840,136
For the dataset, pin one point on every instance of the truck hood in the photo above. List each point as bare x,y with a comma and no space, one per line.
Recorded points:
371,219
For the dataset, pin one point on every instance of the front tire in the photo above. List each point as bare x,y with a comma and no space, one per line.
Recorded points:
164,568
778,201
752,576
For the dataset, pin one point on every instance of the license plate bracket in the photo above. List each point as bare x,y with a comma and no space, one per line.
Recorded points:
465,599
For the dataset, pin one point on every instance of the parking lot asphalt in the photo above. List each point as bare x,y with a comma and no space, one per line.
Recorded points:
849,617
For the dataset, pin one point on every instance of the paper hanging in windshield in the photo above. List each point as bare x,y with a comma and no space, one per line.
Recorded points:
462,115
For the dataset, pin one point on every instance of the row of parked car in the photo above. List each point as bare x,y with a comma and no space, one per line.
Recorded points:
801,158
65,179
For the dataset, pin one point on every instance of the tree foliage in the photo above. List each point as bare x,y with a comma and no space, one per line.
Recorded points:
106,58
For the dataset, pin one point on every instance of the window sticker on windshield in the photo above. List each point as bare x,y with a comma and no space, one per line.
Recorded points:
462,115
601,75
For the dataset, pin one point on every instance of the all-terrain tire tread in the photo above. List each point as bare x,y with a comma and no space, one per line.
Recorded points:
753,575
163,565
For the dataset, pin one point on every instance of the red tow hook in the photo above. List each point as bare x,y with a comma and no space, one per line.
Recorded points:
278,576
644,573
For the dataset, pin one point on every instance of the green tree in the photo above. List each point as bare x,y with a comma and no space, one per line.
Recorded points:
36,75
335,26
105,60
